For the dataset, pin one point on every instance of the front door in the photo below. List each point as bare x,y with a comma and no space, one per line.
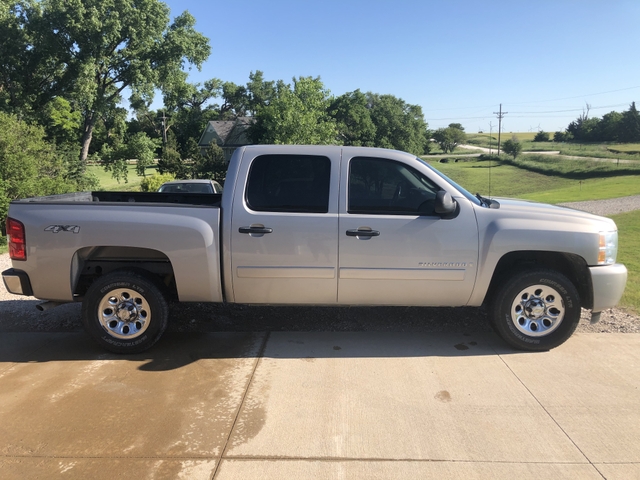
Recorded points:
394,248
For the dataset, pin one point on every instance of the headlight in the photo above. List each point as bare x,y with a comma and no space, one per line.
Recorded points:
608,248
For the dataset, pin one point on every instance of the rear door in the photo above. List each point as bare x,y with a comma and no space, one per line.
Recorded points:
284,226
394,248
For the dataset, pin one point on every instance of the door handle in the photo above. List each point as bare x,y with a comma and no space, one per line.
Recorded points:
363,232
255,230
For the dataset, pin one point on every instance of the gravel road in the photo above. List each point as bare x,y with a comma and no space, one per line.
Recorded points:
18,313
611,206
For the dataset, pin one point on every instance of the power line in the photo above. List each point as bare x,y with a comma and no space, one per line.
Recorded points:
542,114
536,101
578,96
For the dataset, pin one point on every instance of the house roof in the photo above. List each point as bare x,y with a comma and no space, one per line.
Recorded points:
226,132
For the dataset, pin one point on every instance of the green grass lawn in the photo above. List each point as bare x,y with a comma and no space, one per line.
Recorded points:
544,178
107,182
629,254
631,148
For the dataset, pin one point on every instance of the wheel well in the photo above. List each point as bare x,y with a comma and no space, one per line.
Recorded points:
90,263
571,266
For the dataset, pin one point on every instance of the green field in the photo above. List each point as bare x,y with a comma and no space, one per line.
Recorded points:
622,151
630,148
482,139
543,178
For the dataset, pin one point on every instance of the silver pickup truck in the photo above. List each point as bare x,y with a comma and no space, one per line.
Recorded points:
314,225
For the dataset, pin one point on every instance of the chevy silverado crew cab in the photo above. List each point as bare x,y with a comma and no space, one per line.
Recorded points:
314,225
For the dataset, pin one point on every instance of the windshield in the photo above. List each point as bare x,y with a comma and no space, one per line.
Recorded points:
467,195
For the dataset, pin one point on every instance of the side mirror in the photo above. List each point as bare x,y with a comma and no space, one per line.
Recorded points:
445,205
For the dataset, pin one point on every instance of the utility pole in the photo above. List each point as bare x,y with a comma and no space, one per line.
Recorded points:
500,114
164,128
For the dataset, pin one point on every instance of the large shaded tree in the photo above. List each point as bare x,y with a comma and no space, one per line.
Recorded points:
32,71
449,138
353,119
399,125
190,107
297,114
106,46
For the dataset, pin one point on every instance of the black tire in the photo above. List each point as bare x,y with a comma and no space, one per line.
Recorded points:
125,312
536,310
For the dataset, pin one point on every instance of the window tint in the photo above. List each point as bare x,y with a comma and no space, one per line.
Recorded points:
387,187
289,183
187,188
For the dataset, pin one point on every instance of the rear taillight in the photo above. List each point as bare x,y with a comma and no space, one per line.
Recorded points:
17,244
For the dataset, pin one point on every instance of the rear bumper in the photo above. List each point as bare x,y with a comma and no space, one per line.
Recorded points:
608,285
17,282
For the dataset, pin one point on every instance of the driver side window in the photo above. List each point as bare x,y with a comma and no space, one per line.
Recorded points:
387,187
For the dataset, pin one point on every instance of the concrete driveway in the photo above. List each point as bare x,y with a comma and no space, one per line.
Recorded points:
316,405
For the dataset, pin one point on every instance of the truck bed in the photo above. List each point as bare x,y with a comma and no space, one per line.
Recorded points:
204,199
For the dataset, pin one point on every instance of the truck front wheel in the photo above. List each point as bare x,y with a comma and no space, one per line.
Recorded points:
536,310
124,312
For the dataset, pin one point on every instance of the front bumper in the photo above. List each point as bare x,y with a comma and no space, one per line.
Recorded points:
608,285
17,282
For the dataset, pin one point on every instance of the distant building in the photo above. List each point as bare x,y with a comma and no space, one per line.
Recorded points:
228,134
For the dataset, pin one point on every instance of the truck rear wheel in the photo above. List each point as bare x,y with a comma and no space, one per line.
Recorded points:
124,312
536,310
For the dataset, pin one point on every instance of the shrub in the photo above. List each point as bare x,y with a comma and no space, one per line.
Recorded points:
152,183
512,147
541,136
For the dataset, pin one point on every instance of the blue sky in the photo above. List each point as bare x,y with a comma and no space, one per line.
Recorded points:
457,59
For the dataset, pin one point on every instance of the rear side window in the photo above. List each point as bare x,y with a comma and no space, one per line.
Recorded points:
289,183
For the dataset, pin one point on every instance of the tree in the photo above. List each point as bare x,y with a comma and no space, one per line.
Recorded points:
296,115
609,127
449,138
261,92
106,46
31,69
541,136
353,119
171,161
60,121
29,166
211,164
630,125
235,101
190,107
512,147
559,137
399,125
143,150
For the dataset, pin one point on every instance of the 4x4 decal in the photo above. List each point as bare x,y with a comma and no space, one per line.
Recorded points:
63,228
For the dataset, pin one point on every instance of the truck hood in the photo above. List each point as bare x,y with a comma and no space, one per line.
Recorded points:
511,207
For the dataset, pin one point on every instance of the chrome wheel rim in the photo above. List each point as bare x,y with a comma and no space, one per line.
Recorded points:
537,310
124,313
